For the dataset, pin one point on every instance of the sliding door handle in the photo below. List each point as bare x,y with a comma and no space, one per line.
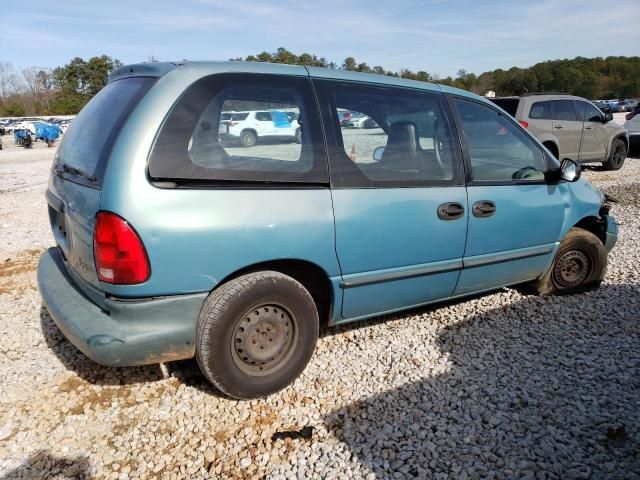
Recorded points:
483,208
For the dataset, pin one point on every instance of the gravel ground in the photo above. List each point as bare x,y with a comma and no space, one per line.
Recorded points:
503,385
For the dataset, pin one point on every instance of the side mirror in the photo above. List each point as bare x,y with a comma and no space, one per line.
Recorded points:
570,170
377,154
608,116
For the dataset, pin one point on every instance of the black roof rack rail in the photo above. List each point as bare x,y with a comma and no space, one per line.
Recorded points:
528,94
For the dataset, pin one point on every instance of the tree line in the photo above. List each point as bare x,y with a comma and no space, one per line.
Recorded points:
66,89
592,78
59,91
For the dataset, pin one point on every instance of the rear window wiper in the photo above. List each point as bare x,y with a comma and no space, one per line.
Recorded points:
65,168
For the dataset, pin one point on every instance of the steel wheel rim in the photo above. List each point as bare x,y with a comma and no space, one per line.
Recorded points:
247,138
571,269
263,339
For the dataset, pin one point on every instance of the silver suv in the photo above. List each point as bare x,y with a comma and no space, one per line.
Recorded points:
570,127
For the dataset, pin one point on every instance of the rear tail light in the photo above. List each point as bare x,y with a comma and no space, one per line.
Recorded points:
524,124
120,256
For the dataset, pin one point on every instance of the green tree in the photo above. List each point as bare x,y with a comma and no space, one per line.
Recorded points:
78,81
350,64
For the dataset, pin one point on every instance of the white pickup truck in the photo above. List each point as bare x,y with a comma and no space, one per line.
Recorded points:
248,127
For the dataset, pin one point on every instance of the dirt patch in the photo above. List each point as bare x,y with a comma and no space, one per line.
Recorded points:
626,194
18,265
91,397
25,261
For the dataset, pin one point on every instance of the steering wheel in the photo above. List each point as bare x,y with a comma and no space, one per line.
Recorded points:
526,173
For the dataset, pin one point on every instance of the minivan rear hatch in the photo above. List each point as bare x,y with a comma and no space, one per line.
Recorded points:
508,104
78,170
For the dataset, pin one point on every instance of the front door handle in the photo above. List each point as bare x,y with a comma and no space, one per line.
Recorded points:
557,126
483,208
450,211
588,128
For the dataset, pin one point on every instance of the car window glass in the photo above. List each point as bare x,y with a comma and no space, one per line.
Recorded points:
563,110
230,127
393,136
540,110
592,114
580,109
509,105
499,150
88,141
263,116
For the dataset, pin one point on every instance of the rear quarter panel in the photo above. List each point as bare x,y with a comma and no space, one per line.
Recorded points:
197,237
615,130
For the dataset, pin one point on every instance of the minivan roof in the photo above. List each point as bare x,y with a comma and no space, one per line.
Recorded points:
159,69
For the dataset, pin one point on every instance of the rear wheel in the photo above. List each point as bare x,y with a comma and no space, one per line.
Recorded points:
248,138
617,155
256,334
579,265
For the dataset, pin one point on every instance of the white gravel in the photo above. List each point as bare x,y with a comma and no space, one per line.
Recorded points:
500,386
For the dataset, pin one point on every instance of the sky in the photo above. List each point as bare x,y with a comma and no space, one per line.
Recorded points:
439,36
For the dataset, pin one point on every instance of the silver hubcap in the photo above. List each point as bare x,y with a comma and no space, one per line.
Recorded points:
571,269
263,339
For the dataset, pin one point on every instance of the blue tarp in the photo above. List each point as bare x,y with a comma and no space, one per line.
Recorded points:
280,119
21,133
47,131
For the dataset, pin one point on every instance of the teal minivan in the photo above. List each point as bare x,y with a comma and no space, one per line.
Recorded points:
174,243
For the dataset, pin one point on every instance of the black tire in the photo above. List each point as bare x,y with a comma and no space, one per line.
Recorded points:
234,348
579,265
298,136
248,138
617,155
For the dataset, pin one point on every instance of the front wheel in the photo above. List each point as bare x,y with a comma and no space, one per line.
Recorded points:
256,334
617,156
579,265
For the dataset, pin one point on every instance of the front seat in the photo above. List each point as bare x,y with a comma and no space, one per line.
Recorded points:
402,150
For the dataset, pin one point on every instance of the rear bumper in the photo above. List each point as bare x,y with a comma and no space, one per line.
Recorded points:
611,233
128,332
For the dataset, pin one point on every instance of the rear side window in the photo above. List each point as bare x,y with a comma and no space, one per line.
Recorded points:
540,110
242,128
88,142
263,116
509,105
563,110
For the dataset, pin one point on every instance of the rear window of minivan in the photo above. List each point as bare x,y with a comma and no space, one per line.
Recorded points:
509,105
88,142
